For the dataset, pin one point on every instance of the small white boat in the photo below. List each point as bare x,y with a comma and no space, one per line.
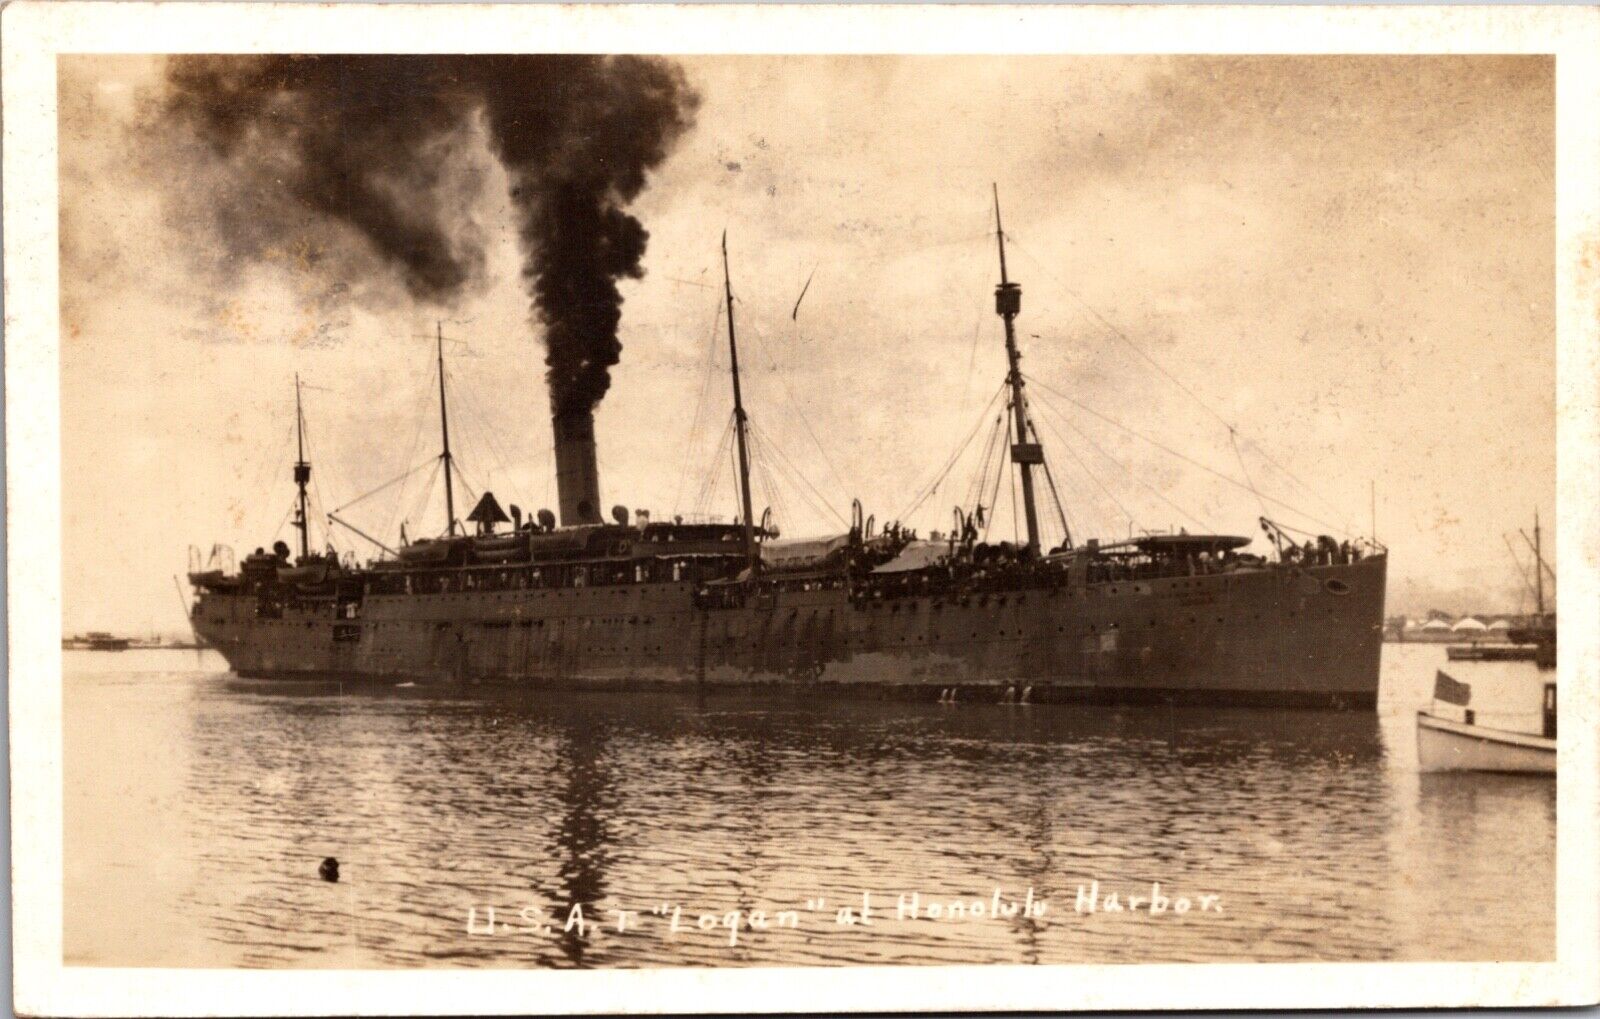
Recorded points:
1443,745
1460,744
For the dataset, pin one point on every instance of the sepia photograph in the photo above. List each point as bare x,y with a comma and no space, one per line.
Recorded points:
552,506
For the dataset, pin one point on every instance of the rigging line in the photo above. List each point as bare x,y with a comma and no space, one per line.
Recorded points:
772,474
497,451
472,491
973,494
386,485
764,477
316,492
979,307
765,468
1169,376
1129,471
783,461
1000,470
820,507
798,475
758,470
1049,477
423,399
713,475
1187,459
972,353
1527,585
1092,475
286,515
1068,522
991,440
1285,471
1232,438
761,340
1012,474
1054,495
314,502
1061,512
980,478
758,480
421,506
932,486
316,487
462,442
1118,333
696,423
478,430
260,489
712,470
733,462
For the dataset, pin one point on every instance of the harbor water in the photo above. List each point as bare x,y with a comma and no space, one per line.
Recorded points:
496,827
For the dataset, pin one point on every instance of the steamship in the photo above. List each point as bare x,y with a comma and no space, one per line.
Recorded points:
632,602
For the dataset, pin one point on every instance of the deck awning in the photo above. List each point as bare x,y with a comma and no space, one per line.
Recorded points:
916,556
787,555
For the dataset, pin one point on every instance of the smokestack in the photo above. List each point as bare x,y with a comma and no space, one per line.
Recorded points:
577,476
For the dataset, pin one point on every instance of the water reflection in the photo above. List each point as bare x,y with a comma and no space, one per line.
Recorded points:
583,842
1305,826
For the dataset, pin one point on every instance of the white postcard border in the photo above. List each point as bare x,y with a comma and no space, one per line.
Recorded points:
33,33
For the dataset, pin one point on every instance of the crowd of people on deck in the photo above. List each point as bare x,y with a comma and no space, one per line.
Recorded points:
1323,552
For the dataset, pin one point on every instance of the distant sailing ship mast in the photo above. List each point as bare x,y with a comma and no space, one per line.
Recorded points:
1540,567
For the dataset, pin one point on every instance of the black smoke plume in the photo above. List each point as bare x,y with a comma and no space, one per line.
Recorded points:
363,142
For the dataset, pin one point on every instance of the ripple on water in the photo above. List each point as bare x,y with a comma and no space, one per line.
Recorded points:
199,806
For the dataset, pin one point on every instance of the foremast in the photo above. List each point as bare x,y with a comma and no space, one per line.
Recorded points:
739,419
1025,452
302,473
444,427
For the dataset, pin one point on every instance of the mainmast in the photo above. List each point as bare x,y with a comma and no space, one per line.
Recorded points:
444,426
302,471
1024,452
739,416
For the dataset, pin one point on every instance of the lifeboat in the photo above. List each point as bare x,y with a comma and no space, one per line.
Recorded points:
500,548
305,574
556,544
427,552
213,580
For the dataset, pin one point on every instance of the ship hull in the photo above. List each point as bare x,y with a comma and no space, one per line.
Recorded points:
1282,636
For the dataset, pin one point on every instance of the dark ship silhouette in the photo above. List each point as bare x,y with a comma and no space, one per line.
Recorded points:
636,602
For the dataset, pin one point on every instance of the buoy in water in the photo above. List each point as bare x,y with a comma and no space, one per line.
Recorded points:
329,871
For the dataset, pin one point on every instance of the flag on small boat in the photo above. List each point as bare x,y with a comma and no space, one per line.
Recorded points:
1451,691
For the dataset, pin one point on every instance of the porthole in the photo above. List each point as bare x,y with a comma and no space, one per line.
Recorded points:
1333,585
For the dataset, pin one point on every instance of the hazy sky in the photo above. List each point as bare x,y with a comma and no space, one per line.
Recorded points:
1350,260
